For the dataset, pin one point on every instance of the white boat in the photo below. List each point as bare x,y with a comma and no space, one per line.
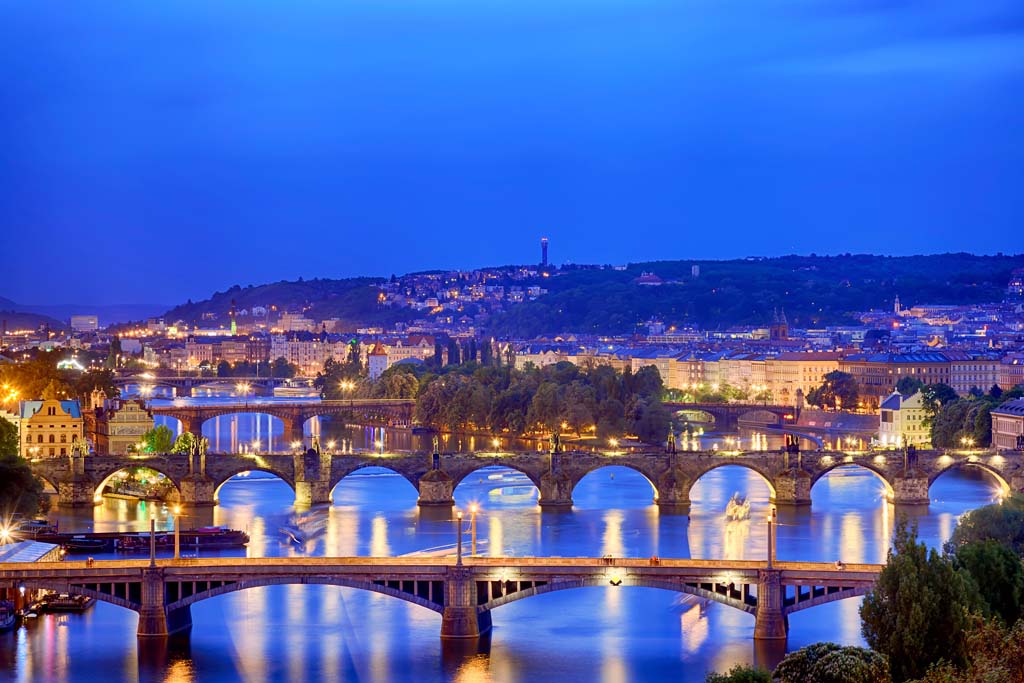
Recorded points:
738,508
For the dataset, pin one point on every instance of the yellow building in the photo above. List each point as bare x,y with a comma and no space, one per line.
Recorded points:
902,421
49,428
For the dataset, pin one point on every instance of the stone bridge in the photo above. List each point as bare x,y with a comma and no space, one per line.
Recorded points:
463,593
728,415
79,480
294,414
183,386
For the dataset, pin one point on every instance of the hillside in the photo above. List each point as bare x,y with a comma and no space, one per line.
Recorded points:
352,300
813,290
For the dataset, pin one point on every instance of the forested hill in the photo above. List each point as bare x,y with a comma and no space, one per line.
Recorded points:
351,299
813,290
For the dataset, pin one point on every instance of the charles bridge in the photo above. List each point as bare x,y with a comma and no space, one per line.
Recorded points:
313,475
463,592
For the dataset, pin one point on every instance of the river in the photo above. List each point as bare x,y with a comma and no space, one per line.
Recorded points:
313,633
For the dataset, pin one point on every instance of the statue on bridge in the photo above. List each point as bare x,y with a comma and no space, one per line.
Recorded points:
556,443
670,445
314,444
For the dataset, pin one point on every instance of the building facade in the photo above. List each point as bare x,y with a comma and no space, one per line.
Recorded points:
1008,425
903,421
49,428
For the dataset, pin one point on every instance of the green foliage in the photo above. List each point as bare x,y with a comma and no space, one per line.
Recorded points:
740,674
20,492
909,385
997,574
831,663
837,389
281,368
184,443
918,611
995,655
1002,522
965,418
8,438
158,440
502,399
38,377
815,290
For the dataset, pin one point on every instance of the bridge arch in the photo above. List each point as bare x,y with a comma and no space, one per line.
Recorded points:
819,475
106,476
460,477
230,474
956,464
423,590
731,594
765,476
760,416
650,477
337,479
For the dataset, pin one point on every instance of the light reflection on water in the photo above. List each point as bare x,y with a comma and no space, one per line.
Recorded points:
309,633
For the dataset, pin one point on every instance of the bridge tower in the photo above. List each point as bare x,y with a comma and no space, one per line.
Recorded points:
155,620
461,618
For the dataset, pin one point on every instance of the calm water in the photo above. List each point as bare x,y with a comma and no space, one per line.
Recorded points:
312,633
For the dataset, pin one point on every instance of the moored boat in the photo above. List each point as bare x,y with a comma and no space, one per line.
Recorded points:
63,602
8,617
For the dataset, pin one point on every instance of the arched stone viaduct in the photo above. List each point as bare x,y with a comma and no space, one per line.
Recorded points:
313,475
294,414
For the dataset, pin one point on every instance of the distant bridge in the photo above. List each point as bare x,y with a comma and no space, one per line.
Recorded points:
464,594
313,476
294,414
183,385
727,416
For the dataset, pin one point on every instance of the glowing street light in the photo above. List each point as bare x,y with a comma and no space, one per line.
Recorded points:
495,442
255,445
177,532
379,445
472,526
5,535
331,444
296,445
613,442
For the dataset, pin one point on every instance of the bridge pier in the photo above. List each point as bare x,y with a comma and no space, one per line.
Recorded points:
155,620
770,621
792,488
76,494
461,618
197,490
910,488
312,478
555,491
436,490
673,494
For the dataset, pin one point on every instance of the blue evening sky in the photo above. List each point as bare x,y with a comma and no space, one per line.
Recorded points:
154,151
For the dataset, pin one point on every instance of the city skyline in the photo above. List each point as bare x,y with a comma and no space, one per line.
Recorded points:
255,147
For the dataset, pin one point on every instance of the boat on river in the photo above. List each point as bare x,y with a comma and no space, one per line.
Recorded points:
208,538
8,617
64,602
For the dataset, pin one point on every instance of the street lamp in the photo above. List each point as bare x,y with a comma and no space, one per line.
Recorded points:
5,535
255,445
472,527
458,531
613,442
296,445
177,532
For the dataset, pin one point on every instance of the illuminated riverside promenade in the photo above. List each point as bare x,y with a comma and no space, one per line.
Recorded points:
312,475
463,592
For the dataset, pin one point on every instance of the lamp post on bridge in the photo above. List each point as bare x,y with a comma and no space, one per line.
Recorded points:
771,536
152,541
177,532
472,529
458,531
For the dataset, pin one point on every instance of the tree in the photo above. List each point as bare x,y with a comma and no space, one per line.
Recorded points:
20,491
223,369
8,438
159,440
546,407
1002,522
281,368
918,611
740,674
837,389
909,385
184,443
997,574
995,655
831,663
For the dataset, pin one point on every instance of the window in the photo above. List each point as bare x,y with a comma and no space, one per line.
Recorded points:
51,452
52,440
39,439
63,451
